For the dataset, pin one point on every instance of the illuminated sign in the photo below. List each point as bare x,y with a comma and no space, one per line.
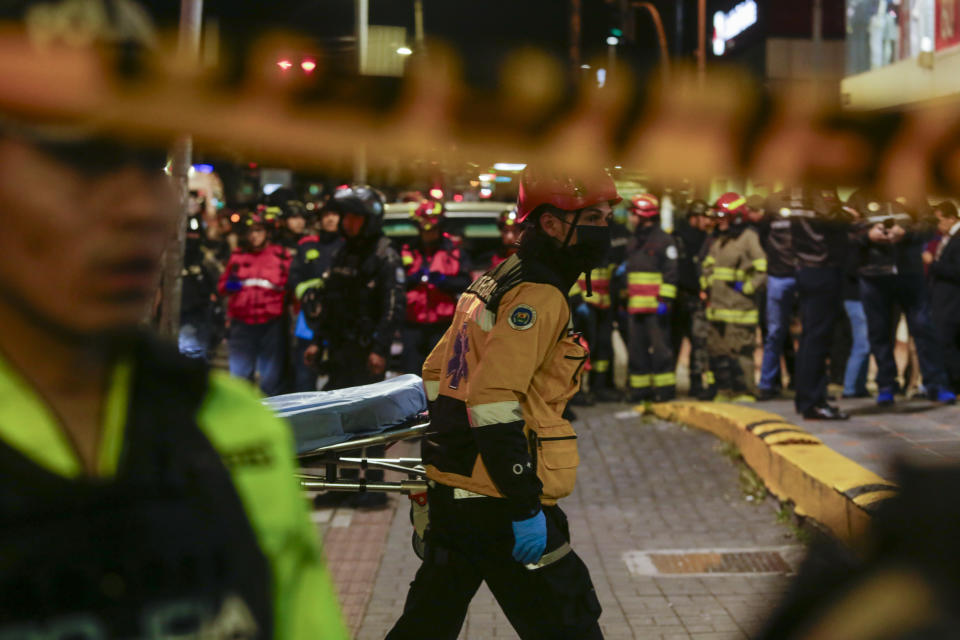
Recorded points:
728,25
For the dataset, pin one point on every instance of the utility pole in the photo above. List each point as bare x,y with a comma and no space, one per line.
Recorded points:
701,42
363,31
181,158
817,38
575,38
678,28
418,22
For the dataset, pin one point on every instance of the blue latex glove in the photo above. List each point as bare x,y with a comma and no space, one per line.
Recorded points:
530,539
663,308
435,277
233,285
738,286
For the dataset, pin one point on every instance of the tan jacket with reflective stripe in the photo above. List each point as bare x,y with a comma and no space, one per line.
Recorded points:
732,259
523,364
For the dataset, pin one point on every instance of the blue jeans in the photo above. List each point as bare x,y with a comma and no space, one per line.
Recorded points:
781,296
879,295
258,348
855,377
194,338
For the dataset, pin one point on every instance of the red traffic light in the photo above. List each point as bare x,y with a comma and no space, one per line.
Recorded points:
284,64
308,65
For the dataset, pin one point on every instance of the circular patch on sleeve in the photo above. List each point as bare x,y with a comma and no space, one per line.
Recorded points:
672,253
522,317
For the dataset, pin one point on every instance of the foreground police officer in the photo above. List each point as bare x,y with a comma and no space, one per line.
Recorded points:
141,495
503,455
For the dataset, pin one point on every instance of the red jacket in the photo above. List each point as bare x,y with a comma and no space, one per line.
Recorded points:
434,301
263,279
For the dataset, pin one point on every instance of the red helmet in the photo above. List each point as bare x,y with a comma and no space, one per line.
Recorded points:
563,190
645,205
731,205
255,219
507,218
429,214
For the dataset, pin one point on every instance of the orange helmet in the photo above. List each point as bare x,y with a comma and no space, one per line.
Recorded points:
429,214
645,205
563,190
731,205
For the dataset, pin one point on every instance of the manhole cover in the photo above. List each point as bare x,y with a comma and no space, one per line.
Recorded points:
713,562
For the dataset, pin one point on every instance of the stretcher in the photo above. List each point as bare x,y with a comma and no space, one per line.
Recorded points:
328,425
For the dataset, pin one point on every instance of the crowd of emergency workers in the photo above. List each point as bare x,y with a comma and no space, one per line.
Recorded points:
801,283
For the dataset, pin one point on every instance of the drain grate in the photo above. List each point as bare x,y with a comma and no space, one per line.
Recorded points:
713,562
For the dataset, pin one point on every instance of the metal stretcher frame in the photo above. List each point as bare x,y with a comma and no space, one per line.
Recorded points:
333,460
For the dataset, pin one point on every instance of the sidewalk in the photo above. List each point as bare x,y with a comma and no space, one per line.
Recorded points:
675,548
915,430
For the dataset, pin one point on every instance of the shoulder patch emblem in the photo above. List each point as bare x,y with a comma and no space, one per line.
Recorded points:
312,254
522,317
672,253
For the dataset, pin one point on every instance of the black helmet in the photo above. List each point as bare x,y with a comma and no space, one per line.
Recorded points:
362,200
697,208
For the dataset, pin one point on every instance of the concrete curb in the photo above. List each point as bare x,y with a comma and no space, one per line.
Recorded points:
795,465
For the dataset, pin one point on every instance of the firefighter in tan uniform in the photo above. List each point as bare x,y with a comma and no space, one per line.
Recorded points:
734,269
502,455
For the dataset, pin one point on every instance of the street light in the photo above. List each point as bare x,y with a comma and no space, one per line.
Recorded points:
404,51
613,41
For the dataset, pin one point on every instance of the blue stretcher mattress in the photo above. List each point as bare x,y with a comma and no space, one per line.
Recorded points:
324,418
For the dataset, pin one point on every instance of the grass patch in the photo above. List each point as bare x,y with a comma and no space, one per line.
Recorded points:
751,486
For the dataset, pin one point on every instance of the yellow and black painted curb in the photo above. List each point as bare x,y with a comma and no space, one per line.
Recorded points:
794,464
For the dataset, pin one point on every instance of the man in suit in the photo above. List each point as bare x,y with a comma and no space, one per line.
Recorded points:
945,288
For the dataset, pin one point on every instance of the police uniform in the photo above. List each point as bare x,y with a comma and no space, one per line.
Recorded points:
734,269
652,277
498,383
192,526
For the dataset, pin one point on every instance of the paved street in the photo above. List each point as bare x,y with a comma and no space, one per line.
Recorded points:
675,548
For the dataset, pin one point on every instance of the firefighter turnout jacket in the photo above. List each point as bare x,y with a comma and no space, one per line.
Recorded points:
262,279
498,383
734,257
651,270
435,277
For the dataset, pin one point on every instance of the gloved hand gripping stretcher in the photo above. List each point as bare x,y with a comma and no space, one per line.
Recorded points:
326,424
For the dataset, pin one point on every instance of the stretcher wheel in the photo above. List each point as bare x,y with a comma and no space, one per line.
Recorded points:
419,546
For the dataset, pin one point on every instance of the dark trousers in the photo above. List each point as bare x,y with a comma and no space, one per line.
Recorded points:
304,376
418,341
948,332
821,301
258,348
879,296
651,358
596,325
348,368
470,542
682,326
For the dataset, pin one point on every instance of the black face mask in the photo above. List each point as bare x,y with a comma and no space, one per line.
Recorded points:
593,245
